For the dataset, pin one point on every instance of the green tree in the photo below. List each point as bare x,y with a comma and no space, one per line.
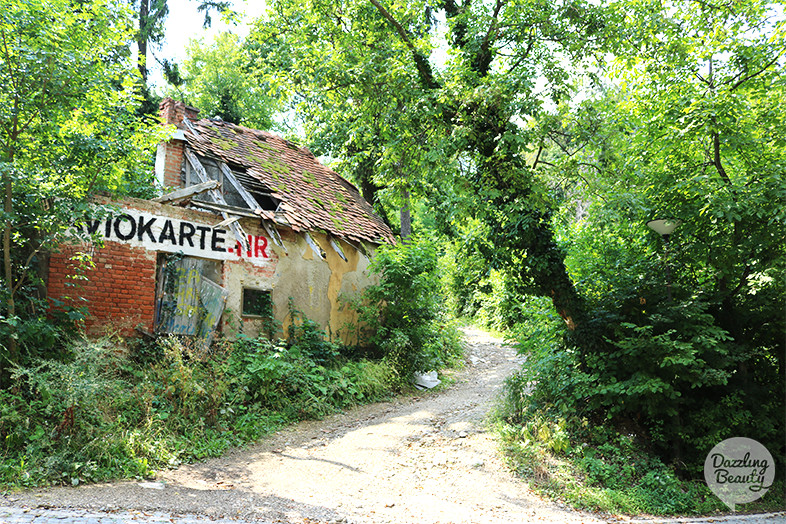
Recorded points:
151,15
692,129
67,129
348,79
690,126
220,81
473,110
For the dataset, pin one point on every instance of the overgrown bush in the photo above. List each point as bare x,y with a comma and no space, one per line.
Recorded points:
595,467
60,422
287,379
101,412
680,344
633,423
403,317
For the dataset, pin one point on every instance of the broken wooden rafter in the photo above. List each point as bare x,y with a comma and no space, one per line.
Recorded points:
272,232
191,127
359,246
187,192
337,248
314,246
228,221
201,173
225,208
247,197
218,198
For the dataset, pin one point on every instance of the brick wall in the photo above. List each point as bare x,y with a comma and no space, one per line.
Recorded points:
173,112
119,292
173,163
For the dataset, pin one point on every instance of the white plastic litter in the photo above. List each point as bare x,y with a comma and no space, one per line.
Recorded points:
426,380
152,485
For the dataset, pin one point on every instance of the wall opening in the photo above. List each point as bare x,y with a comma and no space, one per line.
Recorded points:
257,303
188,299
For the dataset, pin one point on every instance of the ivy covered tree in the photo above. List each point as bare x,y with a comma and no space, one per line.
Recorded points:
471,111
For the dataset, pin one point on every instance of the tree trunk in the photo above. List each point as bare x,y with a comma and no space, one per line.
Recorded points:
141,39
368,188
8,208
406,218
500,169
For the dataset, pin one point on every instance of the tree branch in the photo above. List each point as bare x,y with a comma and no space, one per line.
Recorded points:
482,60
716,159
526,53
743,280
599,170
760,71
537,157
421,62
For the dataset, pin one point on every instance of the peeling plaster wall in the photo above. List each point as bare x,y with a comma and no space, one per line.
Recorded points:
239,274
123,286
314,284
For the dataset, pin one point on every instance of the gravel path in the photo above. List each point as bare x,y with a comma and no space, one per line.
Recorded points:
420,459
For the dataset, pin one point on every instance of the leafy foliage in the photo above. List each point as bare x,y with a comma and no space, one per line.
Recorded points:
99,413
554,436
598,470
684,344
352,89
219,79
403,315
68,128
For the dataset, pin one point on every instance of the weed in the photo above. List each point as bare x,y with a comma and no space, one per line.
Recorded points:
597,469
403,317
101,413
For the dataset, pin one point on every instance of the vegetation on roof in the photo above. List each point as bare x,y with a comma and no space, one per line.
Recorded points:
224,143
287,173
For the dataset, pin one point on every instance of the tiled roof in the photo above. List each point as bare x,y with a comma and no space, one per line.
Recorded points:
313,197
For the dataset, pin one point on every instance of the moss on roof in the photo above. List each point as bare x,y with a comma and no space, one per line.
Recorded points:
317,197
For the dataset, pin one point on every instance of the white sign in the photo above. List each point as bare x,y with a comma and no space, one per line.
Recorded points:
158,233
739,470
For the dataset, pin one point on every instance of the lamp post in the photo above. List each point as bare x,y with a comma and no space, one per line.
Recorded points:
664,227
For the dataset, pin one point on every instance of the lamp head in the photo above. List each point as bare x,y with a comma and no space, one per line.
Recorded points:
663,226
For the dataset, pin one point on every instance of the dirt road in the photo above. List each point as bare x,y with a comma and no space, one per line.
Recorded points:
418,459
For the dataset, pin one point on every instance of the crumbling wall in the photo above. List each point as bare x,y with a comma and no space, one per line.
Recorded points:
119,291
315,285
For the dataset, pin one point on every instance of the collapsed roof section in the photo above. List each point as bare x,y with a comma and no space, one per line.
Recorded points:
285,181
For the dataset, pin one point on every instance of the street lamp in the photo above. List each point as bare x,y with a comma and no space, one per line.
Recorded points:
664,227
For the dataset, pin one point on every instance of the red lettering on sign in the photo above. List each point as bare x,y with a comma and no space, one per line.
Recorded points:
260,245
257,247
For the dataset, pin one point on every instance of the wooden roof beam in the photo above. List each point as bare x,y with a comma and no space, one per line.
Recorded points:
218,198
187,192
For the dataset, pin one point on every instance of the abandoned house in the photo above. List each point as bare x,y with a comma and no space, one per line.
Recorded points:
248,222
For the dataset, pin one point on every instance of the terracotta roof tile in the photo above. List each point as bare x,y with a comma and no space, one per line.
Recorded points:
313,196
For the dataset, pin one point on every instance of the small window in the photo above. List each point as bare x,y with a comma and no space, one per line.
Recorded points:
257,303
